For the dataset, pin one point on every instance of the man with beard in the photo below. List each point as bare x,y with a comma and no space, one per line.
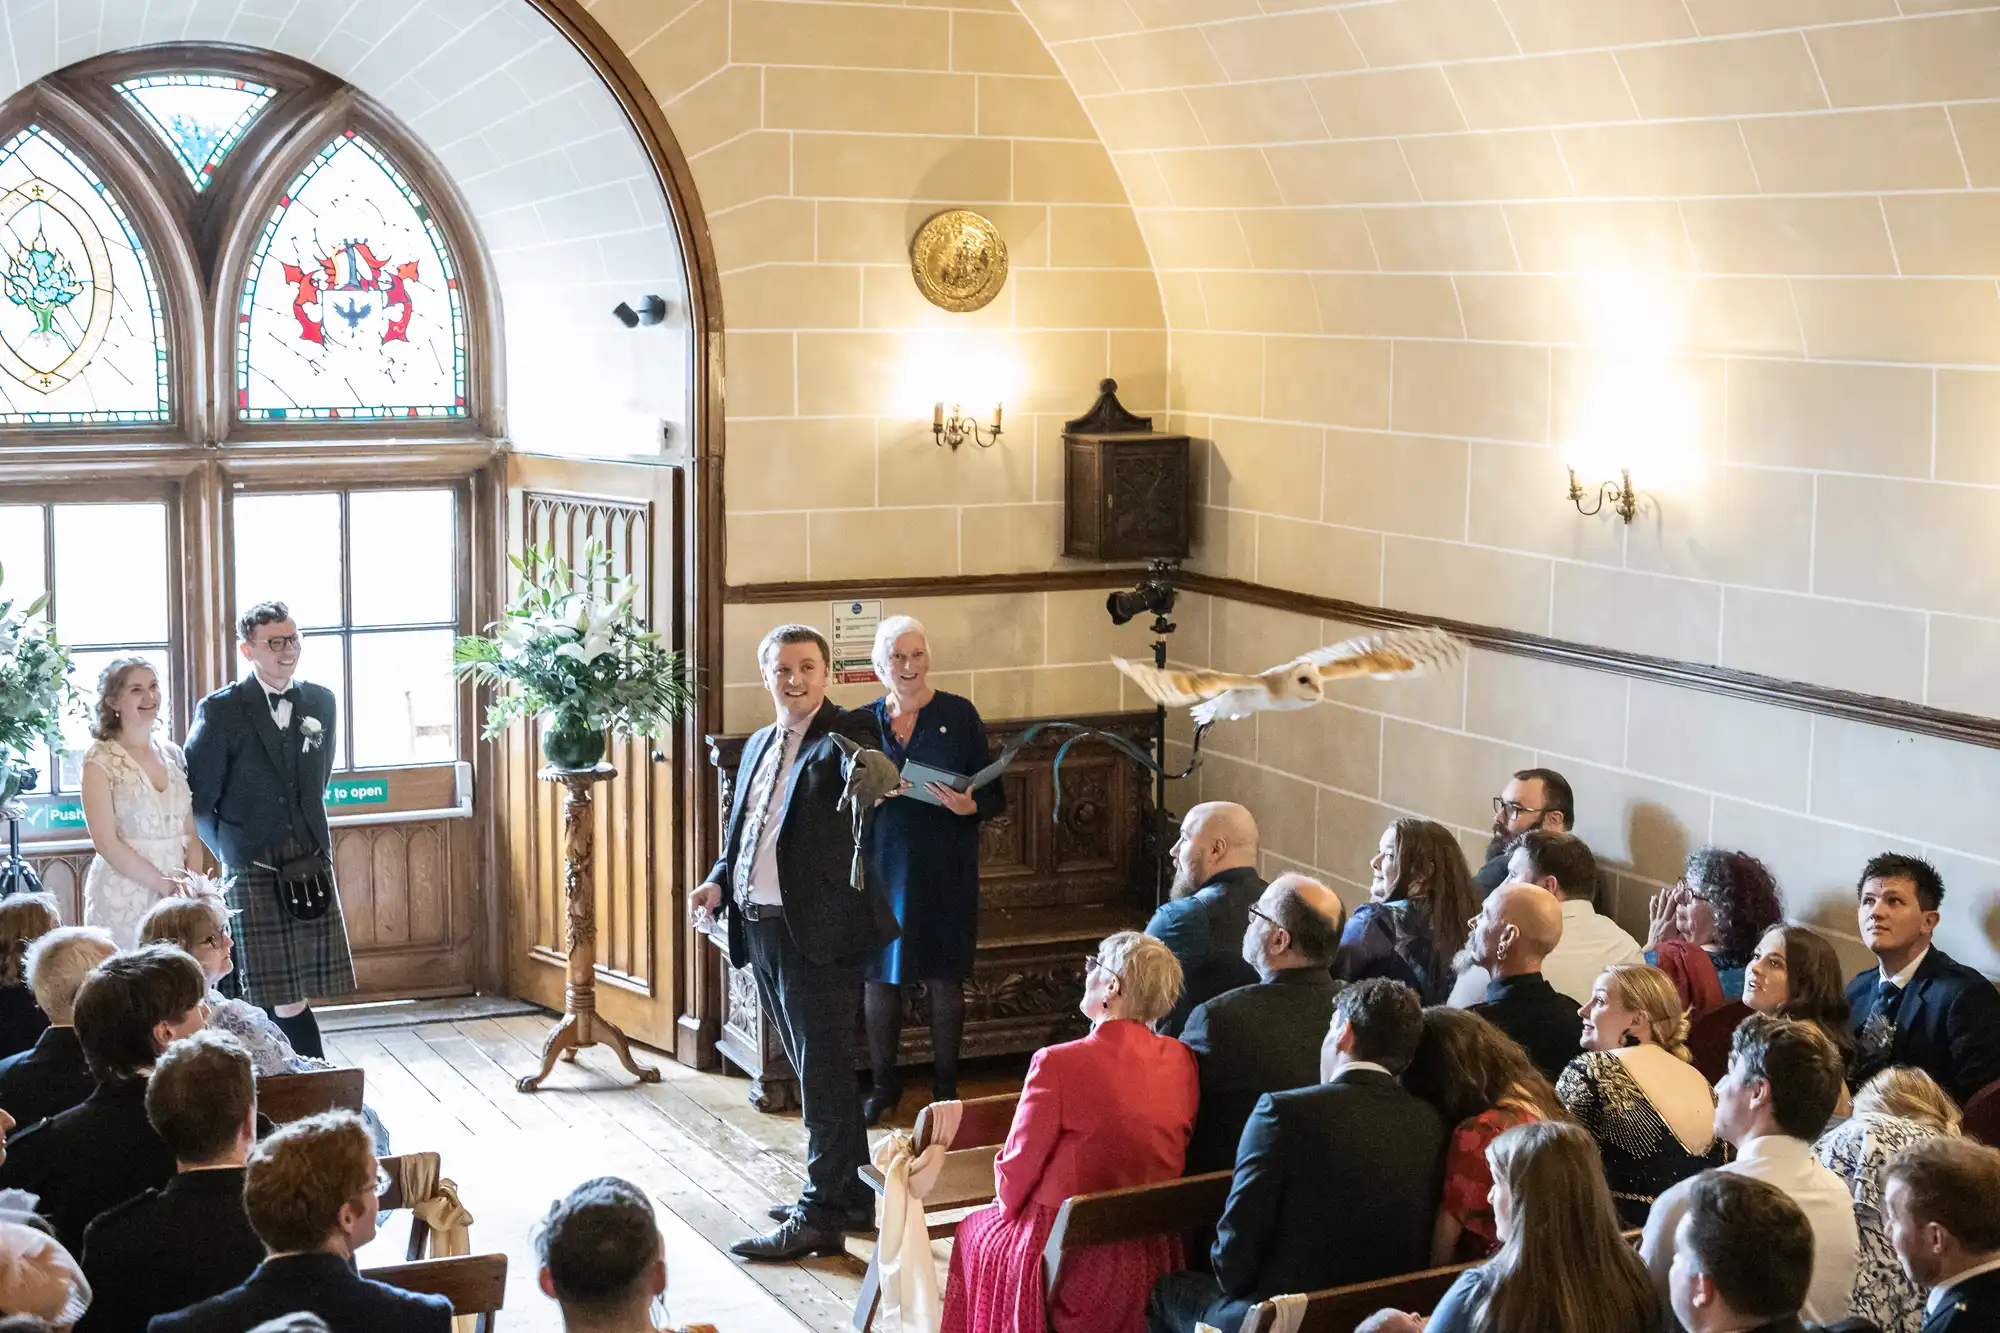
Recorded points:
1215,884
1534,798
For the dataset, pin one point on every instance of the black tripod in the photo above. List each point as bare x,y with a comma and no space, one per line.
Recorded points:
1156,593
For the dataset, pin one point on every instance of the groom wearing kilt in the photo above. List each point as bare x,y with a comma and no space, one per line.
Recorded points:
259,757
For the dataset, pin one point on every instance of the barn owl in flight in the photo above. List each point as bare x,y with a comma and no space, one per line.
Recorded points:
1220,696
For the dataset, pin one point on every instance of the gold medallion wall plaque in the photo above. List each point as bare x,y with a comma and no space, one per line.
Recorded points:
959,260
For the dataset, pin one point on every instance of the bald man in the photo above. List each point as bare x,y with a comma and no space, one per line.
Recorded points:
1519,926
1265,1037
1215,882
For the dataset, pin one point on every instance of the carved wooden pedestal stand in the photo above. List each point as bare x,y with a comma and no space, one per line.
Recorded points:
581,1024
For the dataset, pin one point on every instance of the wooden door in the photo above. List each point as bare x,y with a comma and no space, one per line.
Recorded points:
637,512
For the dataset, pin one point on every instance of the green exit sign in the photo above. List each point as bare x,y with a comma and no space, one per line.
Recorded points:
357,791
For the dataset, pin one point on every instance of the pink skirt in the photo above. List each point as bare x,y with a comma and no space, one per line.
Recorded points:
996,1278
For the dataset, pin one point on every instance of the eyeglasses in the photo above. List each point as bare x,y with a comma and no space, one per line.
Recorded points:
1513,810
1265,917
218,939
282,643
1092,960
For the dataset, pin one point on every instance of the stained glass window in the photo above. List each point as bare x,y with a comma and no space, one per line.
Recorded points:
82,337
201,116
352,308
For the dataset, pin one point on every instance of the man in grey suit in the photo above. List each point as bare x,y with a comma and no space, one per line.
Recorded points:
782,884
259,757
1265,1037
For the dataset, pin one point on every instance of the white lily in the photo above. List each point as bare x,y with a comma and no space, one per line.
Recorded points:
515,636
594,623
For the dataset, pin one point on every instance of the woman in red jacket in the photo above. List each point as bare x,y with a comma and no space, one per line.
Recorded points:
1111,1110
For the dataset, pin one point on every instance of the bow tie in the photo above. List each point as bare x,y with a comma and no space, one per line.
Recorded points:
276,698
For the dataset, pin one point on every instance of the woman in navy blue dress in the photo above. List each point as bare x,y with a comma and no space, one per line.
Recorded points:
926,858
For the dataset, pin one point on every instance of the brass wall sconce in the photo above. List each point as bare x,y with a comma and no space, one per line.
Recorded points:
959,428
1623,499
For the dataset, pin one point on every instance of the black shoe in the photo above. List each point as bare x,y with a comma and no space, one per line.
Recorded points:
792,1240
880,1102
781,1212
860,1220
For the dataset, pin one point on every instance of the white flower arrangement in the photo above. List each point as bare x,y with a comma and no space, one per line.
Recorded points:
314,734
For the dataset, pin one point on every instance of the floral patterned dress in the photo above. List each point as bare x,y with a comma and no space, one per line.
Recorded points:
1857,1150
151,822
1468,1180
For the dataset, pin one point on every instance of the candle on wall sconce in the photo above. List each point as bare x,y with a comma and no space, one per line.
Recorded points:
958,428
1623,499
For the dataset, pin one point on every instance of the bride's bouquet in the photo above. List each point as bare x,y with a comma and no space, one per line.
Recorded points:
571,649
34,691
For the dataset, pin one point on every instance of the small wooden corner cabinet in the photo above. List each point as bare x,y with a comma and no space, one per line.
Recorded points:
1049,890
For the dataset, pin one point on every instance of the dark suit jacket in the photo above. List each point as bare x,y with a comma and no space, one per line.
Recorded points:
167,1249
1250,1041
1334,1184
46,1079
1947,1024
1205,932
324,1284
21,1020
88,1159
1973,1306
828,920
1537,1015
1493,874
252,793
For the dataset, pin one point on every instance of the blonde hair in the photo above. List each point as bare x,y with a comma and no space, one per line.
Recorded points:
1910,1094
186,922
1148,973
891,629
110,683
59,961
1645,988
24,918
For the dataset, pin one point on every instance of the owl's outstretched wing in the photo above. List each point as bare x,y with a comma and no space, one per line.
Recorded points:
1396,652
1175,688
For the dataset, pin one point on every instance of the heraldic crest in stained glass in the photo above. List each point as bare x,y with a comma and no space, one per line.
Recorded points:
353,308
199,116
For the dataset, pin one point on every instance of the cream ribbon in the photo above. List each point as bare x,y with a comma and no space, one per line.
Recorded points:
434,1202
1287,1313
903,1246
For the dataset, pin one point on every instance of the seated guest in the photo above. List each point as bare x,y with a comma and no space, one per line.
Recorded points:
1705,928
1482,1083
1266,1037
24,918
1563,865
1897,1109
1783,1077
1651,1112
1795,973
1517,927
1943,1200
1111,1110
310,1192
1919,1006
189,1240
1742,1257
1215,881
1555,1221
1415,920
104,1151
1334,1184
603,1261
51,1076
1533,799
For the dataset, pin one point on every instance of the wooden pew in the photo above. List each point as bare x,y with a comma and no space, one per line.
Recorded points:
420,1232
475,1284
283,1098
1170,1208
1340,1309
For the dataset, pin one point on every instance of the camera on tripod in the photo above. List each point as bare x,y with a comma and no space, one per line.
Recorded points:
1155,593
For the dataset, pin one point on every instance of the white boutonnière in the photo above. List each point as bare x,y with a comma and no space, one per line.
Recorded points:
314,734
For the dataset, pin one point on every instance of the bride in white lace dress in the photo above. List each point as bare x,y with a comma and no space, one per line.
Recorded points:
136,805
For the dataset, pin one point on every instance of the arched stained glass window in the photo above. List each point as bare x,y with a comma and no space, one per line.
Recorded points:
199,116
352,307
82,334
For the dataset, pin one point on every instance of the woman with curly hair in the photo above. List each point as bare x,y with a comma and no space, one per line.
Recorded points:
1651,1112
1421,904
1705,928
24,918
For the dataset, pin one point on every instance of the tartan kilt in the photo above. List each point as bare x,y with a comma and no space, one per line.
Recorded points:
280,959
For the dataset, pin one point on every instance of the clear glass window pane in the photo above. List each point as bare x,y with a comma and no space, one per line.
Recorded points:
111,573
405,702
402,545
321,662
22,574
76,730
288,550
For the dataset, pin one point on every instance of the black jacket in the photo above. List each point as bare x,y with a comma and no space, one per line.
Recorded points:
21,1020
828,919
252,793
167,1249
1947,1024
1537,1015
1205,932
45,1080
89,1158
325,1285
1334,1184
1973,1306
1250,1041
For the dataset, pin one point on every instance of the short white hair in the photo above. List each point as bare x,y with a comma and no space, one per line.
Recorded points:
891,629
59,961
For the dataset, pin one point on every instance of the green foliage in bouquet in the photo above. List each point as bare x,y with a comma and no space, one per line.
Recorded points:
35,689
572,649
